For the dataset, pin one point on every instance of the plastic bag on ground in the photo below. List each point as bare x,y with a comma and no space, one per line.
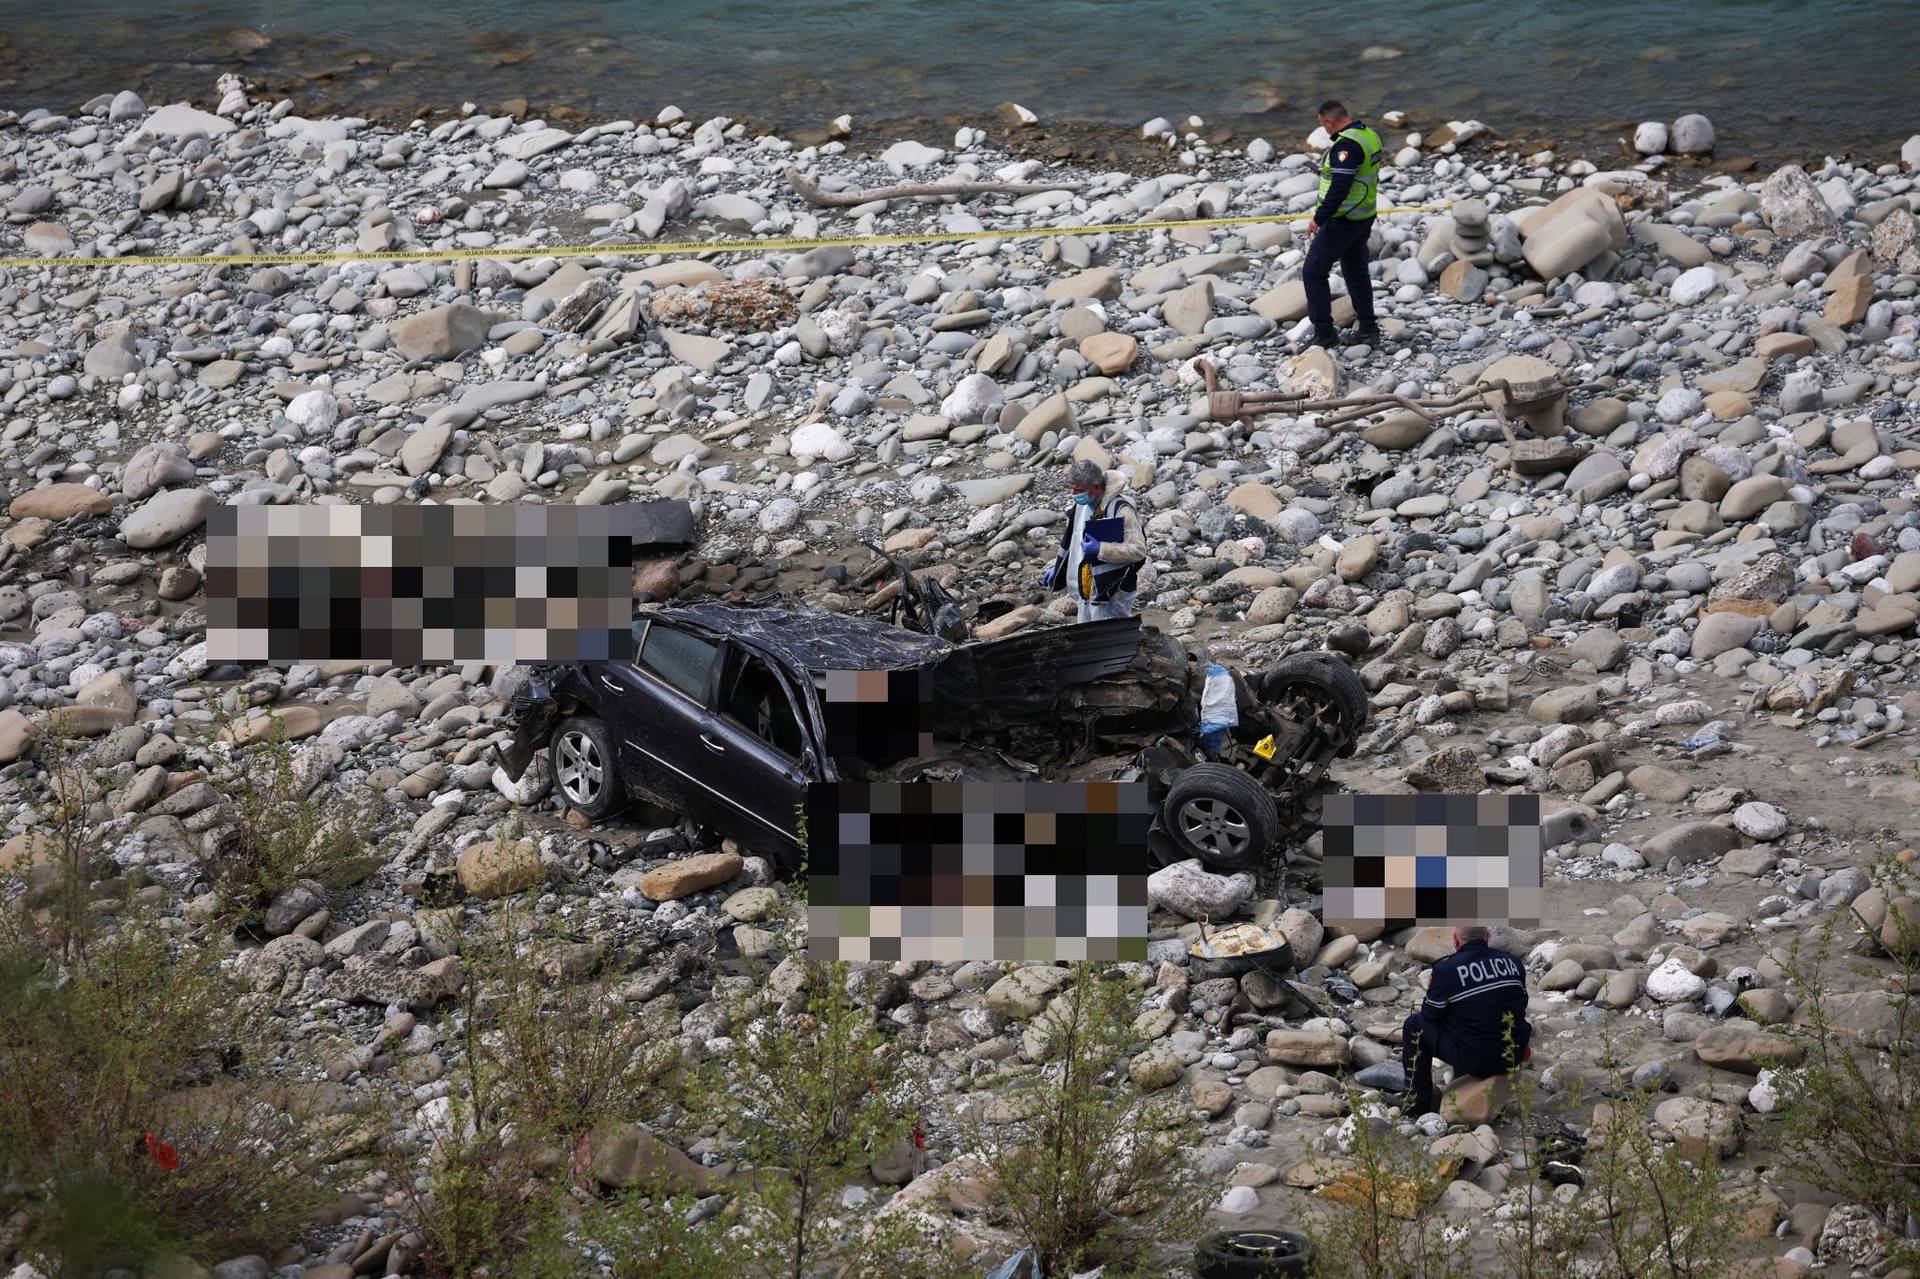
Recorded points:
1219,709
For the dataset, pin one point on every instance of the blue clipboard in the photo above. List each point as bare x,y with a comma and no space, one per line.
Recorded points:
1113,529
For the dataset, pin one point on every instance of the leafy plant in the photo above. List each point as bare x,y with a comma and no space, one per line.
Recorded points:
1095,1173
810,1098
1368,1222
548,1054
284,825
129,1106
1851,1106
1656,1213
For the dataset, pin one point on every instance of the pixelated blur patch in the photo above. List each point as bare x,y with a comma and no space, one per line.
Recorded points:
878,717
1431,859
419,585
954,871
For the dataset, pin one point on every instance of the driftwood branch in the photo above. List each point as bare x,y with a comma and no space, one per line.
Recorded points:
809,190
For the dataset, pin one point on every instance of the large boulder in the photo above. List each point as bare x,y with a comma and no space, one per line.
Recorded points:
1792,205
689,875
1548,419
1318,1049
1571,232
59,502
625,1154
1187,888
166,517
154,467
1744,1047
493,868
1474,1101
1699,1127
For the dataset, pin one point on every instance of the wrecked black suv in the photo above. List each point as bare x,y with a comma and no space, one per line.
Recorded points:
723,717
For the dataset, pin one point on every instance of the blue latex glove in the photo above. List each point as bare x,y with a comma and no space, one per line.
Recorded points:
1089,548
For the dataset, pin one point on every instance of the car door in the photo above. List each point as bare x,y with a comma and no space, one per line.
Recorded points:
662,716
760,731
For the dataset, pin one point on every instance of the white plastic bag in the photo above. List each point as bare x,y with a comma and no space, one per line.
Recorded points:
1219,709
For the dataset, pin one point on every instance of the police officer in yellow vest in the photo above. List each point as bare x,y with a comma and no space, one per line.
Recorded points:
1349,189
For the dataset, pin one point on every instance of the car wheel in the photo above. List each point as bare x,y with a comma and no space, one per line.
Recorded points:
1252,1254
1222,816
1320,690
586,769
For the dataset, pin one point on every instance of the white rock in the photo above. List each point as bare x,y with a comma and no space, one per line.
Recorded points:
1238,1200
1678,405
313,411
1597,293
1765,1094
1760,821
975,399
1650,138
1672,983
1691,135
1621,857
907,155
1187,888
181,120
532,786
817,439
1694,285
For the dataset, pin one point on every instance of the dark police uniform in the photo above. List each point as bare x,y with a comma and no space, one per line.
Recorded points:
1349,189
1476,1002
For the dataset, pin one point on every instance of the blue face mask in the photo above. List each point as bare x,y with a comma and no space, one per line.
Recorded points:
1084,499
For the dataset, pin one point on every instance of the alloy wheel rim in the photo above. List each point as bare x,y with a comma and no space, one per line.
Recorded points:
579,768
1215,825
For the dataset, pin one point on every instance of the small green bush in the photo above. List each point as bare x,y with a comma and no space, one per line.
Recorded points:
129,1109
1851,1106
285,824
1096,1173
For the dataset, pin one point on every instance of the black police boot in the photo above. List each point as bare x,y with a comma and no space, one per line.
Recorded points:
1365,335
1325,335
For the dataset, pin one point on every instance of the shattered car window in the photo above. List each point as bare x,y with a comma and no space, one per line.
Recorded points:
677,659
759,703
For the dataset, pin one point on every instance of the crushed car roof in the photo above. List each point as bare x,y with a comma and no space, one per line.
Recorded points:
815,640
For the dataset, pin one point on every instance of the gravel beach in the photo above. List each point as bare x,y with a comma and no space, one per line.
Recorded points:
1693,637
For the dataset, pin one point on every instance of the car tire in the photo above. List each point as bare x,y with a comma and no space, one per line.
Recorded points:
1328,678
1220,815
1252,1254
586,767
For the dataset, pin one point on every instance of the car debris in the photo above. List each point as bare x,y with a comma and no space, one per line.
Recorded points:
720,717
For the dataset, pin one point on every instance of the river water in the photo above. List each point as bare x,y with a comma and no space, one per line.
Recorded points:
1779,78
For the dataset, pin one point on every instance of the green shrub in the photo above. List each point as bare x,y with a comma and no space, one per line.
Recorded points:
1369,1222
130,1112
1095,1173
285,824
1851,1106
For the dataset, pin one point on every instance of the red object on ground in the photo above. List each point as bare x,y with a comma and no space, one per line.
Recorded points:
1864,547
160,1152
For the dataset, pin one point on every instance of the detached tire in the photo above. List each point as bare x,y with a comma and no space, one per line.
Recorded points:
1220,815
1252,1254
586,767
1322,678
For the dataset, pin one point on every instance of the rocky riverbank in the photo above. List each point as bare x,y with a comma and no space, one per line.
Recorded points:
1696,629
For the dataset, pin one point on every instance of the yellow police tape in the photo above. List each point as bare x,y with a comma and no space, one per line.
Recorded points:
642,249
